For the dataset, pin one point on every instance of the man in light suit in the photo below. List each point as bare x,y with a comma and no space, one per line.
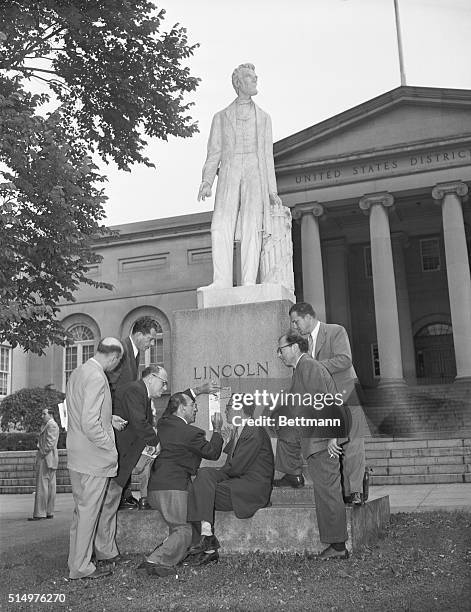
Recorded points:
240,151
329,344
243,484
92,457
143,334
311,377
47,460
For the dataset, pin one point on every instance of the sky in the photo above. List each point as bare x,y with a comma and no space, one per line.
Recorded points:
313,58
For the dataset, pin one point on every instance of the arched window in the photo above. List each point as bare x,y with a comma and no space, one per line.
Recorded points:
154,355
436,329
80,351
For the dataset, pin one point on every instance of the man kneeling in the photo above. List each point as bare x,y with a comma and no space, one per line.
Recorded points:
243,484
183,446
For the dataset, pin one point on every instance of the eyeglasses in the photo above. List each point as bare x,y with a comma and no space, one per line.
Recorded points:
164,381
278,352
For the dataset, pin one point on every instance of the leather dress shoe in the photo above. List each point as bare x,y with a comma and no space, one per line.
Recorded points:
205,558
144,504
50,516
98,573
205,543
144,565
112,560
127,504
331,553
37,518
290,480
153,569
356,500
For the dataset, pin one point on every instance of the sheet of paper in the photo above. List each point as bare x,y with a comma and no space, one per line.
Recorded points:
63,414
218,401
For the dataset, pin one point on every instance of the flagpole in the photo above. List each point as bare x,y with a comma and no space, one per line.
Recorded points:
399,43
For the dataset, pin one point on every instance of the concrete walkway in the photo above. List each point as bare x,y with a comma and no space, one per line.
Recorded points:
15,509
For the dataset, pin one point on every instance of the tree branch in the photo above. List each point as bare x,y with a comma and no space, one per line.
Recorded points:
31,69
21,56
35,76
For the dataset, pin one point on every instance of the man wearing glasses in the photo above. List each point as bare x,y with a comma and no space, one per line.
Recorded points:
134,406
311,378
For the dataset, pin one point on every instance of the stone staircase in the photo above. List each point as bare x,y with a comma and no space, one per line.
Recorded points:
17,472
432,411
393,461
419,461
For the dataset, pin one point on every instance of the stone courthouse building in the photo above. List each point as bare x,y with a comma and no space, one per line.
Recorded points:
381,242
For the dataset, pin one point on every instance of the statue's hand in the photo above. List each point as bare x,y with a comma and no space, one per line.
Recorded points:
275,199
205,191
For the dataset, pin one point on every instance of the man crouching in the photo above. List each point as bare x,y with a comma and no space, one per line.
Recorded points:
243,484
182,448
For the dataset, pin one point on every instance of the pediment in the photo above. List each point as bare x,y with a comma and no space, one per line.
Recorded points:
400,118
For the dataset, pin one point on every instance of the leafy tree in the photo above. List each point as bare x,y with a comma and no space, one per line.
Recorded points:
115,80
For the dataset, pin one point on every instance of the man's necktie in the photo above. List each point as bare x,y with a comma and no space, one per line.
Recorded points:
234,440
311,345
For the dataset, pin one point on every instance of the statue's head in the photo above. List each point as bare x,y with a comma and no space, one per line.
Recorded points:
244,79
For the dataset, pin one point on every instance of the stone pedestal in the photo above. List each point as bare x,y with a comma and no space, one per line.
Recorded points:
266,292
235,345
284,528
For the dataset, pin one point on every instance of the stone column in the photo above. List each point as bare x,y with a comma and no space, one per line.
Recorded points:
399,243
457,269
313,275
337,283
384,288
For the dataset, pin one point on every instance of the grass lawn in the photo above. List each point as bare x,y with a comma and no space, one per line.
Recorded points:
422,563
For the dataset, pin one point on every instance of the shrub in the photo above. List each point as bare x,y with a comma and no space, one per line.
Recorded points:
14,441
21,410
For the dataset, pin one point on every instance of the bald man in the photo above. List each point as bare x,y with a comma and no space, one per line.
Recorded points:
92,457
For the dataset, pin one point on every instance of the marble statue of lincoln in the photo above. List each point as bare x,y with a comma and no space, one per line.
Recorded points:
240,152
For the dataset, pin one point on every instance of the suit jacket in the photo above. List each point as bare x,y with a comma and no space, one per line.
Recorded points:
90,437
182,448
47,444
333,351
311,376
250,469
221,151
125,372
133,406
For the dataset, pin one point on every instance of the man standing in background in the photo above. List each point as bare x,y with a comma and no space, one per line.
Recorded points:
47,460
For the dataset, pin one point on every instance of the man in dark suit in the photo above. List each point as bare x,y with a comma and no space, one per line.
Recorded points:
142,336
310,377
134,407
243,484
182,448
329,344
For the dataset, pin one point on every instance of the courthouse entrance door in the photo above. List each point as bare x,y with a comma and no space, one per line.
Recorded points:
435,354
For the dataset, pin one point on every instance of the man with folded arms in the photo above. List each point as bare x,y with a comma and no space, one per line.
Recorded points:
182,448
243,484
